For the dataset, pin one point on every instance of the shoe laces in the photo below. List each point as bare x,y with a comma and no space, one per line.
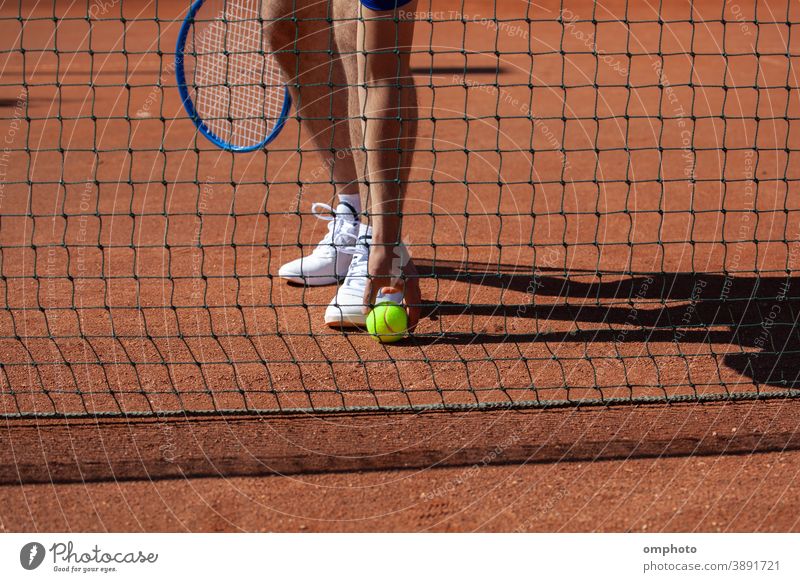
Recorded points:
357,273
342,231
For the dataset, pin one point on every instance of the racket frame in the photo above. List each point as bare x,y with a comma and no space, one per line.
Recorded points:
188,104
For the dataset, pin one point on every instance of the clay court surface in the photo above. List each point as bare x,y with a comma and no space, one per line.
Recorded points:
686,494
573,245
688,469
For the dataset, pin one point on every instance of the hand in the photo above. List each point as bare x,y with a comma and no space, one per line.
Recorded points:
384,272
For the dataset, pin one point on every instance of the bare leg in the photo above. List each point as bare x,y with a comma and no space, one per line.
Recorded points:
389,112
368,52
348,13
383,110
317,80
335,106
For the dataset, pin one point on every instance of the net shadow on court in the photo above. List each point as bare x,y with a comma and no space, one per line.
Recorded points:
69,451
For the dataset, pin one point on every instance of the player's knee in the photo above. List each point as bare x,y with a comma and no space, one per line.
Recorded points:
383,5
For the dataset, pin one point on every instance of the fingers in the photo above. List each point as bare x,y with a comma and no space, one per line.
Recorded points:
407,284
374,285
370,292
413,298
412,295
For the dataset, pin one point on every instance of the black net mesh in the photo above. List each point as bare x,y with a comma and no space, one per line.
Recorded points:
603,206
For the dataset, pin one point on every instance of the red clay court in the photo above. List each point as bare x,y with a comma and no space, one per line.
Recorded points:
604,208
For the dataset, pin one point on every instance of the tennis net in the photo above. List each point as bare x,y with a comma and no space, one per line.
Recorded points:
603,207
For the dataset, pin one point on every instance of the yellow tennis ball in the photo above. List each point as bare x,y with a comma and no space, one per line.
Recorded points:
387,322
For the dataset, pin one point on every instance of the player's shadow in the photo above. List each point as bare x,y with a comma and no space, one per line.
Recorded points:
752,320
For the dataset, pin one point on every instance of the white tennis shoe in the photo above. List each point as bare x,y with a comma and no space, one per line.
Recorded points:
329,262
347,307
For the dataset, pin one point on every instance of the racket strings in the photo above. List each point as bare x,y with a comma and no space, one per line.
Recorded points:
238,87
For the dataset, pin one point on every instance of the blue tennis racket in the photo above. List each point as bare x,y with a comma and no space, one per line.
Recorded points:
230,84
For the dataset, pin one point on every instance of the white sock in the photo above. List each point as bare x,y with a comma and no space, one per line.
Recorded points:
349,203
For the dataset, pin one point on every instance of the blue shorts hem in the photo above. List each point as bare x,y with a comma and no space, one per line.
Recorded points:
384,4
